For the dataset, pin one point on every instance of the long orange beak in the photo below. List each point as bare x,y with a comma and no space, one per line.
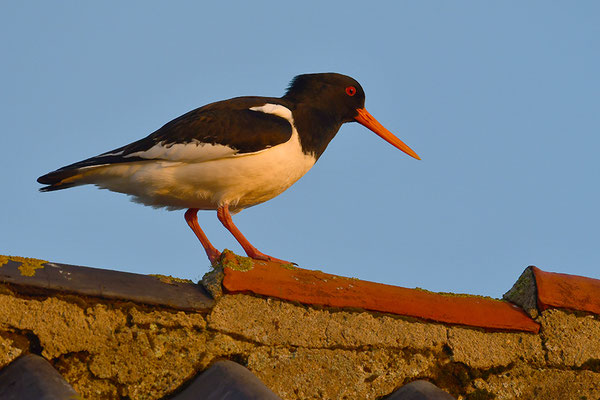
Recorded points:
366,119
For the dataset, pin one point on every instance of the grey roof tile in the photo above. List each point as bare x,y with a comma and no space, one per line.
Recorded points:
33,378
109,284
420,390
226,380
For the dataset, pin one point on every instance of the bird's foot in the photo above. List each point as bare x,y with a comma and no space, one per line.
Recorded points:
257,255
214,255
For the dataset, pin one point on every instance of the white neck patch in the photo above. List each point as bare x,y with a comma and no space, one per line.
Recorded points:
276,109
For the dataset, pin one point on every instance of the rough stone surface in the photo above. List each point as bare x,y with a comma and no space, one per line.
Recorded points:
74,368
170,320
121,350
274,322
483,350
570,339
8,351
114,347
524,383
300,373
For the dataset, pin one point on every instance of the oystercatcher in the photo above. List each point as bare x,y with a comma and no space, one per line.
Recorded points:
230,155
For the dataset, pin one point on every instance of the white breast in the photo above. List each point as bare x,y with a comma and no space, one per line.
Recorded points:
240,180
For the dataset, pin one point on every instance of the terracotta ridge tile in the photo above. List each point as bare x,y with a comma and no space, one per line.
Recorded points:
556,290
243,275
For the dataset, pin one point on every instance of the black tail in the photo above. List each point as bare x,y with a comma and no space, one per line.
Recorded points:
70,175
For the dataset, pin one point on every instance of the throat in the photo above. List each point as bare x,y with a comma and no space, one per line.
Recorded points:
315,131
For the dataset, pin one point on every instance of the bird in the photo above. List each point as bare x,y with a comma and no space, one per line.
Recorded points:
231,154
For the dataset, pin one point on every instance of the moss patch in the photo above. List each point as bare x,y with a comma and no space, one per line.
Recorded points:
291,267
28,265
450,294
237,263
480,394
170,279
213,281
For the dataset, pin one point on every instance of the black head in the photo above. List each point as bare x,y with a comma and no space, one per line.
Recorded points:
323,102
335,94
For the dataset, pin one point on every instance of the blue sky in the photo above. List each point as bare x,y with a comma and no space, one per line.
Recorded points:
501,100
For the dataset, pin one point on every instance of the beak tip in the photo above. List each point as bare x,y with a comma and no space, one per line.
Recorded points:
364,118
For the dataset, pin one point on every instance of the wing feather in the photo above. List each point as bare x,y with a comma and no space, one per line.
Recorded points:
222,129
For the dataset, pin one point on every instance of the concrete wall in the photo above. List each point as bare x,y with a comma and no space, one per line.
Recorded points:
114,348
127,350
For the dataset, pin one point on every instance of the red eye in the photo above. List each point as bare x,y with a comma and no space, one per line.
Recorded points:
350,90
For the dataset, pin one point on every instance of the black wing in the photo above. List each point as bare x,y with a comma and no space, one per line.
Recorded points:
230,124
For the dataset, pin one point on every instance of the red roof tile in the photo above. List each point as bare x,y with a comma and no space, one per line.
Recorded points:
318,288
574,292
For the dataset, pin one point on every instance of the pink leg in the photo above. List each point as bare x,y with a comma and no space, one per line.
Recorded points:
192,220
225,218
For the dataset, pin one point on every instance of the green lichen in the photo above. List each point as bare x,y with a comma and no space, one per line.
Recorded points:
344,278
213,281
28,265
4,260
475,296
243,264
523,284
480,394
239,263
170,279
450,294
